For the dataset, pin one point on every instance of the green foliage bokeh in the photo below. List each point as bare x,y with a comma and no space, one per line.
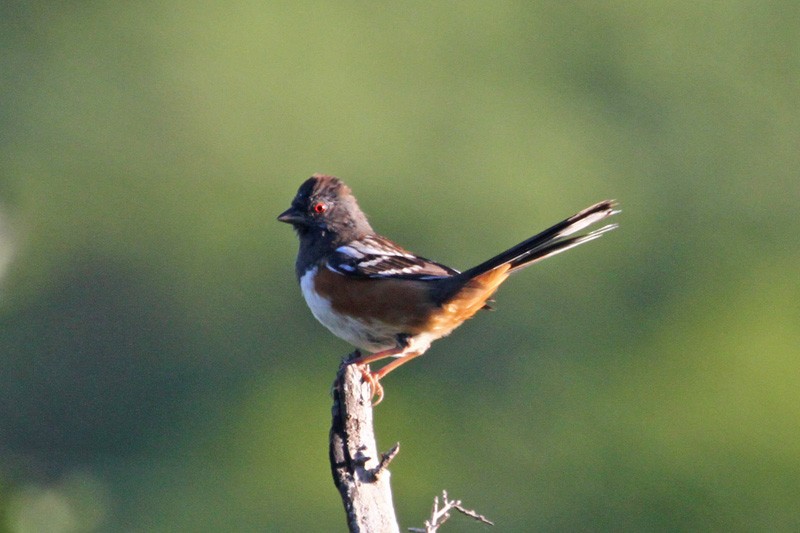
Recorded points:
160,372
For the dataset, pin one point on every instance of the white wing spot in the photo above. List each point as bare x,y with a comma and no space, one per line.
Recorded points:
373,262
395,271
350,252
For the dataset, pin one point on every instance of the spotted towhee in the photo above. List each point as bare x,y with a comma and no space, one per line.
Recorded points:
386,300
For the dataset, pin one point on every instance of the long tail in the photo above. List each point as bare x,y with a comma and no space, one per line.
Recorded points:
554,240
551,241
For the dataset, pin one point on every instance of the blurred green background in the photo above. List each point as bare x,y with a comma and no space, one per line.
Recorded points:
159,370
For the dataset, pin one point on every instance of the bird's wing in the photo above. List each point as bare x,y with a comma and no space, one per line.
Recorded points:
377,257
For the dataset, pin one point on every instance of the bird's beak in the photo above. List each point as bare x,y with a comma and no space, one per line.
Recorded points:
291,216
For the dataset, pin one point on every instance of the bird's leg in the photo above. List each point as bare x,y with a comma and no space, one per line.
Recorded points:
373,378
363,365
380,374
362,360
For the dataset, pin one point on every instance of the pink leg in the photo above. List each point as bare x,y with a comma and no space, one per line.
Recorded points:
377,356
380,374
373,378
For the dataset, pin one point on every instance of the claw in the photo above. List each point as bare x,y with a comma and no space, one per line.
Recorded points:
374,383
377,390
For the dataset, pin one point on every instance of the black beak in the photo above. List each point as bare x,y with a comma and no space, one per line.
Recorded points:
292,216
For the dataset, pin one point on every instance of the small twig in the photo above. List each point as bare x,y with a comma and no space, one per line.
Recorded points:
386,458
440,516
472,514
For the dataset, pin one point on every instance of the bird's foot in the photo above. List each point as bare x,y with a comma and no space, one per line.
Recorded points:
374,384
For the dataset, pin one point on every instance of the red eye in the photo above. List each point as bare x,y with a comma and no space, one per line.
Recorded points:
320,207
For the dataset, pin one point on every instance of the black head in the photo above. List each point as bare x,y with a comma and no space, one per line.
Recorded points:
325,214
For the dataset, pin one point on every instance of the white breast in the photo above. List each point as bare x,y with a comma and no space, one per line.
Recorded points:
371,337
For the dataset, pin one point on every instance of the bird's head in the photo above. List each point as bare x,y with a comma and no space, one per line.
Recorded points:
325,209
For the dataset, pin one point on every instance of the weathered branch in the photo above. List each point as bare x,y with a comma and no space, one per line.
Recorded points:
359,472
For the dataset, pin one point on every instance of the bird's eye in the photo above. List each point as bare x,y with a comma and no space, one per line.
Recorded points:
320,207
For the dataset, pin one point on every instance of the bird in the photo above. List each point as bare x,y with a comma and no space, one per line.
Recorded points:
387,301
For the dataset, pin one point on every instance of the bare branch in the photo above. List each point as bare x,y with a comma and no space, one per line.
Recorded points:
361,477
440,516
360,473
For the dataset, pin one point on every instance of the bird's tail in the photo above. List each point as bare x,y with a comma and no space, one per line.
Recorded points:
487,276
